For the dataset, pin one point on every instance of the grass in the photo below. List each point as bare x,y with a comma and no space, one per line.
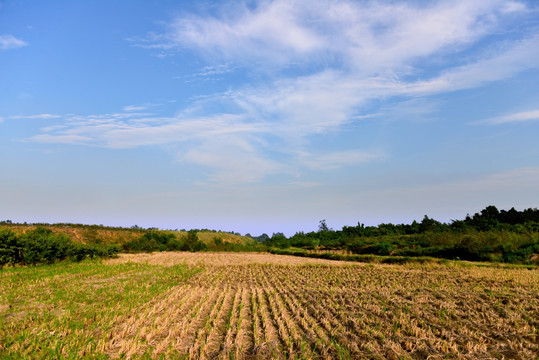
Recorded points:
68,309
239,306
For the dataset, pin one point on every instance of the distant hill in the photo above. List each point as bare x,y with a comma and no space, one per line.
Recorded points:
97,234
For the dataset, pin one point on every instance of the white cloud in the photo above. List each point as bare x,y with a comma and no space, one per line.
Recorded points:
214,70
326,100
532,115
349,55
11,42
271,31
234,148
382,36
226,144
358,52
62,139
518,57
305,105
129,130
513,6
233,160
130,108
367,36
38,116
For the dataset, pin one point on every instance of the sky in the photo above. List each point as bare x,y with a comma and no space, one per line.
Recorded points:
267,116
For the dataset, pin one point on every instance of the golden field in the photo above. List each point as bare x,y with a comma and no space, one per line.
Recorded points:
252,305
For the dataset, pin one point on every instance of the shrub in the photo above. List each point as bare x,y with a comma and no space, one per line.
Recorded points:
218,241
43,246
10,248
355,245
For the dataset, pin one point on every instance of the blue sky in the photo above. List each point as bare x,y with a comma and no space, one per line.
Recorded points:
267,116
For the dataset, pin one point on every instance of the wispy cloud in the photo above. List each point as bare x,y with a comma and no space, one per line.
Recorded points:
318,65
233,160
209,73
272,31
214,70
234,148
38,116
513,6
226,143
523,116
11,42
355,53
59,138
130,108
366,36
510,60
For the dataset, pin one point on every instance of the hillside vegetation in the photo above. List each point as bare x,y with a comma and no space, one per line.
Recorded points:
99,234
48,243
491,235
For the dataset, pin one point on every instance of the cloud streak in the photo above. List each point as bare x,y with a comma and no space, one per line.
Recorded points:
523,116
366,36
8,42
344,56
37,116
234,148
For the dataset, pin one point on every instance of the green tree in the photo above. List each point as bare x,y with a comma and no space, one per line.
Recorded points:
192,243
10,247
43,246
323,226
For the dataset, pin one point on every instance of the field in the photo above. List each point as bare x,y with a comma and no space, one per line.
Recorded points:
216,305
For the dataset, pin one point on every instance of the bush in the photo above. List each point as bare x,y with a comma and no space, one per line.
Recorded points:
41,246
218,241
79,252
153,241
381,248
175,245
355,245
198,246
10,248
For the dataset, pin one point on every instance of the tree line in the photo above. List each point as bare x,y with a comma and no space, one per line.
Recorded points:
491,235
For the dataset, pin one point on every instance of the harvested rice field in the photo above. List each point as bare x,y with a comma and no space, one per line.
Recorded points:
262,306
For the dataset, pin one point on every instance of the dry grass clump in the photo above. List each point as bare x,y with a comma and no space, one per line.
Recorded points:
244,306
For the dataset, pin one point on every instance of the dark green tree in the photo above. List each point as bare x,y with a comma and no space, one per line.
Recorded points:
10,248
323,226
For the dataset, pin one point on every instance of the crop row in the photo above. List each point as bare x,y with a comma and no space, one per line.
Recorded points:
269,311
266,309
